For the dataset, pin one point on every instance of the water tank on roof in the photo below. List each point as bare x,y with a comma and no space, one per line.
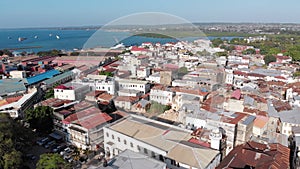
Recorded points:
215,139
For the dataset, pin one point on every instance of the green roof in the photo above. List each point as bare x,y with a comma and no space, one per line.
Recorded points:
58,77
12,85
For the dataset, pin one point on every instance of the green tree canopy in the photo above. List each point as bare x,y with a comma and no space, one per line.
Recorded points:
249,51
53,52
221,54
158,108
10,158
74,53
52,161
40,118
269,58
106,73
217,42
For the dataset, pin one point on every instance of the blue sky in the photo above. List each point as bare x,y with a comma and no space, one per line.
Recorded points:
49,13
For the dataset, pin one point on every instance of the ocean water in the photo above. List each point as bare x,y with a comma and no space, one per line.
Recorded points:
46,39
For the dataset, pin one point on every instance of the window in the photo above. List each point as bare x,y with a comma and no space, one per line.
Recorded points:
152,154
131,145
145,151
125,142
119,139
113,137
107,134
138,147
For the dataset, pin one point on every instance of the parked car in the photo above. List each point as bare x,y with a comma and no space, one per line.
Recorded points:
49,144
43,141
59,148
66,151
68,157
31,156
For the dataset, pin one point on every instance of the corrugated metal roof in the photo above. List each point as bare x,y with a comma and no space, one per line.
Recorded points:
59,77
249,120
12,85
43,76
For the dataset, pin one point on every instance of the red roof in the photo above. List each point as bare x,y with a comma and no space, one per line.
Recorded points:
170,66
142,57
62,87
280,77
81,115
199,142
137,49
95,120
257,155
236,94
240,73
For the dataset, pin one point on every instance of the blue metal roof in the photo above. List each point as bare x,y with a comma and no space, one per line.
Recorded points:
43,76
249,120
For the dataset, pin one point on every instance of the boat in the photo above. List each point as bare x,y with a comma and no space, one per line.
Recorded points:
35,37
118,46
57,37
20,39
50,34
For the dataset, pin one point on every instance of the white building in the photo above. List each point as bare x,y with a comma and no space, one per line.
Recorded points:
160,141
142,72
289,119
162,95
99,82
142,86
17,74
229,76
71,91
154,78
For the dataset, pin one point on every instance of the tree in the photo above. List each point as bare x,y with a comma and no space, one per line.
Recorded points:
7,52
10,158
269,58
40,118
52,161
217,42
203,53
74,53
106,73
158,108
219,54
249,51
53,52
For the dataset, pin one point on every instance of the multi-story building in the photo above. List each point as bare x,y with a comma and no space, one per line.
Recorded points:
85,128
244,129
71,91
161,94
170,144
100,82
142,86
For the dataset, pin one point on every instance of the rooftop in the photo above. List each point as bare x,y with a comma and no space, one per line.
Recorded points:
257,155
42,76
167,138
132,160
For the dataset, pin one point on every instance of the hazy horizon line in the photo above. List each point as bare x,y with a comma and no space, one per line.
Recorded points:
99,26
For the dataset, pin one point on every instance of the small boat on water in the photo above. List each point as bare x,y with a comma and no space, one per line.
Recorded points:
57,37
35,37
20,39
50,34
